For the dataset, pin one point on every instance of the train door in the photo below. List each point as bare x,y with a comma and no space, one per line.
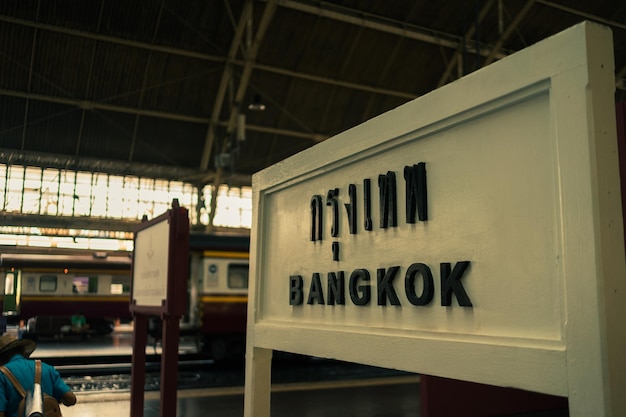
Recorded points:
222,299
194,282
10,307
9,299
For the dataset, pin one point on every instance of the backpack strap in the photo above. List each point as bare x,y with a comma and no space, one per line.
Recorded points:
13,380
37,371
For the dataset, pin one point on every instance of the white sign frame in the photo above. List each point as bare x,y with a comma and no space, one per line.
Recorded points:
151,265
578,351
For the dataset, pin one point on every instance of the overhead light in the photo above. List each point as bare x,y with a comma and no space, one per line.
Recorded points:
222,160
256,103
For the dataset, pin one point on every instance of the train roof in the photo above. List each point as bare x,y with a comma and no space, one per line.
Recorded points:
18,257
204,241
21,256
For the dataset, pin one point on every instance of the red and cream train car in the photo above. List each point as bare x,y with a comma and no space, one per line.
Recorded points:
219,292
57,282
46,281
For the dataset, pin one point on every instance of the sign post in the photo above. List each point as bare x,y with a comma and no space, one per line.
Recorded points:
474,233
159,288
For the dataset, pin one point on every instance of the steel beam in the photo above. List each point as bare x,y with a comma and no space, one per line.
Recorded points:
90,105
509,30
227,75
64,162
380,24
250,58
457,55
580,13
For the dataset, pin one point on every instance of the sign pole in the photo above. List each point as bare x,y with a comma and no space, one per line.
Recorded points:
258,382
138,370
159,288
169,366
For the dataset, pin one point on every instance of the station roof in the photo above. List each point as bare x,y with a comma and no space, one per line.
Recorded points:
154,88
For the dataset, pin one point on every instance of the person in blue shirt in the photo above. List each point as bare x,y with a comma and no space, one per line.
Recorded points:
14,354
79,323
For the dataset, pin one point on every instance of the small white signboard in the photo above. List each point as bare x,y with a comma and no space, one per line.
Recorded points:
150,265
474,233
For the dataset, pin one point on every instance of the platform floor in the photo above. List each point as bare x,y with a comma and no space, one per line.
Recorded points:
120,342
383,397
391,397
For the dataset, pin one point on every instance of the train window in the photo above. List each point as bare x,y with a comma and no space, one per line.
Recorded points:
120,285
48,283
92,287
238,276
85,285
9,282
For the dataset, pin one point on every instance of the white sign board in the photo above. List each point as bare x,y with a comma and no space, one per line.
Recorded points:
474,233
150,265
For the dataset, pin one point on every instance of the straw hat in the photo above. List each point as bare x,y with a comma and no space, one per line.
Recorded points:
10,342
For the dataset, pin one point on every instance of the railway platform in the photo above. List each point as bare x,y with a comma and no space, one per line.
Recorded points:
396,396
385,397
118,343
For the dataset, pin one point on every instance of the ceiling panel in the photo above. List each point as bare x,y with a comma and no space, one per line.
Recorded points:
154,87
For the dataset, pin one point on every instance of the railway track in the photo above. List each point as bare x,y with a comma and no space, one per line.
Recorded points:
197,373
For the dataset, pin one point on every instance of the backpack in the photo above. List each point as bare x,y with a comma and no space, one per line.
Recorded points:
50,405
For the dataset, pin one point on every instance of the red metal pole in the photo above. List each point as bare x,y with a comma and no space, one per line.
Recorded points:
169,366
138,372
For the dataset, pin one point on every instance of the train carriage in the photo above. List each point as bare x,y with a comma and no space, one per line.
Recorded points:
219,292
60,283
45,282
